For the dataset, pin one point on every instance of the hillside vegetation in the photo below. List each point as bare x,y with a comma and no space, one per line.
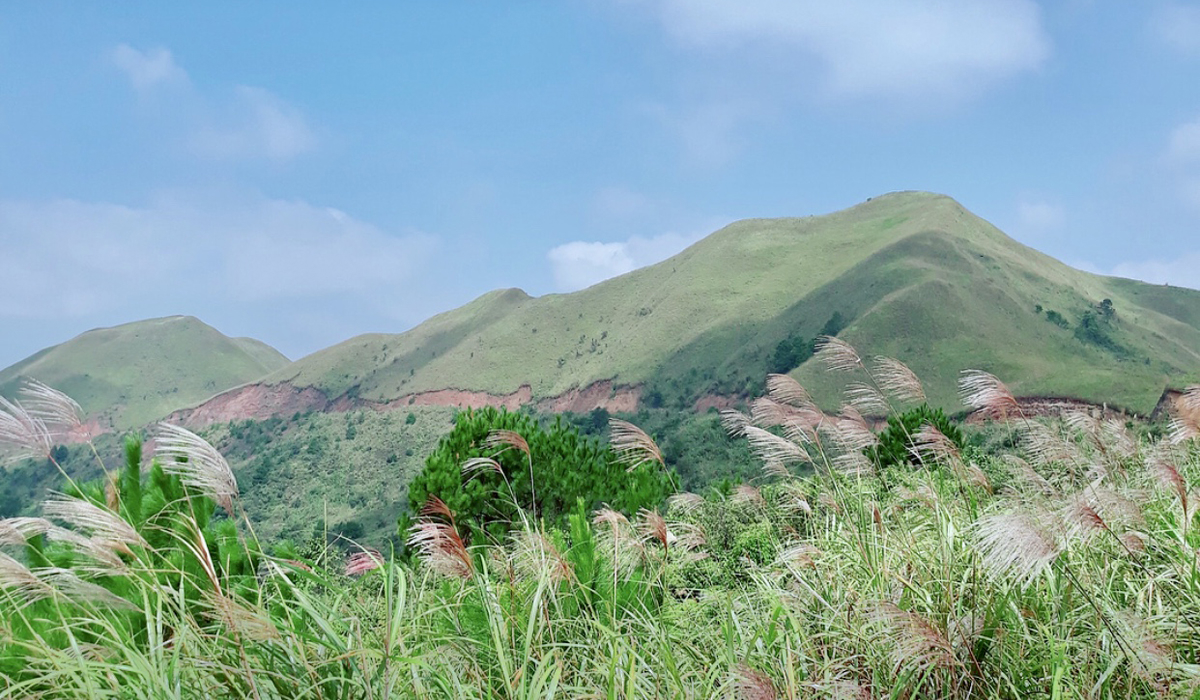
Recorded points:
129,375
912,275
1062,564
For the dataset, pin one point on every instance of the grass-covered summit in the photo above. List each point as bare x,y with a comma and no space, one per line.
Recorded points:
910,274
134,373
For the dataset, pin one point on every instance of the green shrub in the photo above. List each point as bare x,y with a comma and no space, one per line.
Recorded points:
561,468
896,441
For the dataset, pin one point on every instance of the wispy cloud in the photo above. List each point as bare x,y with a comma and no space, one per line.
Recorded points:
1038,216
279,263
244,123
1184,144
920,50
257,124
149,68
1177,26
581,264
1181,271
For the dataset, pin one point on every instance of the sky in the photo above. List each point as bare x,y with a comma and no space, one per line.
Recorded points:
303,173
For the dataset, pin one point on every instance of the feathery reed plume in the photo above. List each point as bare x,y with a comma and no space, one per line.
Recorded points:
1028,475
1017,545
686,536
931,441
987,395
609,517
766,412
799,555
917,642
851,431
745,494
771,448
475,465
897,379
1046,446
685,503
241,620
101,551
652,526
441,547
23,434
853,463
1082,517
734,422
794,499
1155,656
1164,471
1185,425
838,355
102,523
504,439
360,562
801,428
841,689
923,494
972,474
534,555
632,445
18,579
866,399
68,583
778,470
53,407
197,463
753,685
786,390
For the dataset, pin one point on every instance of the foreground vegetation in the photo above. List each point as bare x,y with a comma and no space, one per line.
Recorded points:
1065,566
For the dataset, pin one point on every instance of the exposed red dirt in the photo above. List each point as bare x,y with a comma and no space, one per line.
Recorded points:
601,394
253,401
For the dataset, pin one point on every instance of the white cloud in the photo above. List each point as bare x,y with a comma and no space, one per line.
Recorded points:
1039,216
1177,26
1180,271
1184,145
581,264
257,125
187,254
247,124
911,50
147,69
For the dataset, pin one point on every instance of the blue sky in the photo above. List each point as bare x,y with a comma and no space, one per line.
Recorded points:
303,174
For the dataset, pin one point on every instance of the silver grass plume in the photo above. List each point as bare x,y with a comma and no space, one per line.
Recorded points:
102,523
866,399
59,412
734,422
896,379
851,431
987,395
1185,425
750,684
784,389
838,355
22,435
197,463
917,641
771,448
632,445
1016,545
505,439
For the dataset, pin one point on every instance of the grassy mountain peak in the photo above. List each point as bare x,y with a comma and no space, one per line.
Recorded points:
128,375
912,275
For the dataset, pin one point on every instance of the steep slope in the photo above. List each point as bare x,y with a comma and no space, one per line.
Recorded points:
131,374
913,275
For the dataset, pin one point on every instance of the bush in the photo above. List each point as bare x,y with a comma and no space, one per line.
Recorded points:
561,468
895,443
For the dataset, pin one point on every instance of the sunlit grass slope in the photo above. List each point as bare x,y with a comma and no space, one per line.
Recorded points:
915,274
131,374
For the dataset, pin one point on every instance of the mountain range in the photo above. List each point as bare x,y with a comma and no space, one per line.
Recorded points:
911,275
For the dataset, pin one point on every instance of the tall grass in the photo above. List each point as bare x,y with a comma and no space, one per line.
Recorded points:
1067,568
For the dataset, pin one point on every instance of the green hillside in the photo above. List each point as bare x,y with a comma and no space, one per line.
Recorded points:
131,374
911,274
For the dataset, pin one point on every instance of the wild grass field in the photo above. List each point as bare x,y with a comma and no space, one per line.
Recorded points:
1058,560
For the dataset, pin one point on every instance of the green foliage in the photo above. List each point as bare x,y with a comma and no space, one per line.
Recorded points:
1057,319
562,467
896,443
